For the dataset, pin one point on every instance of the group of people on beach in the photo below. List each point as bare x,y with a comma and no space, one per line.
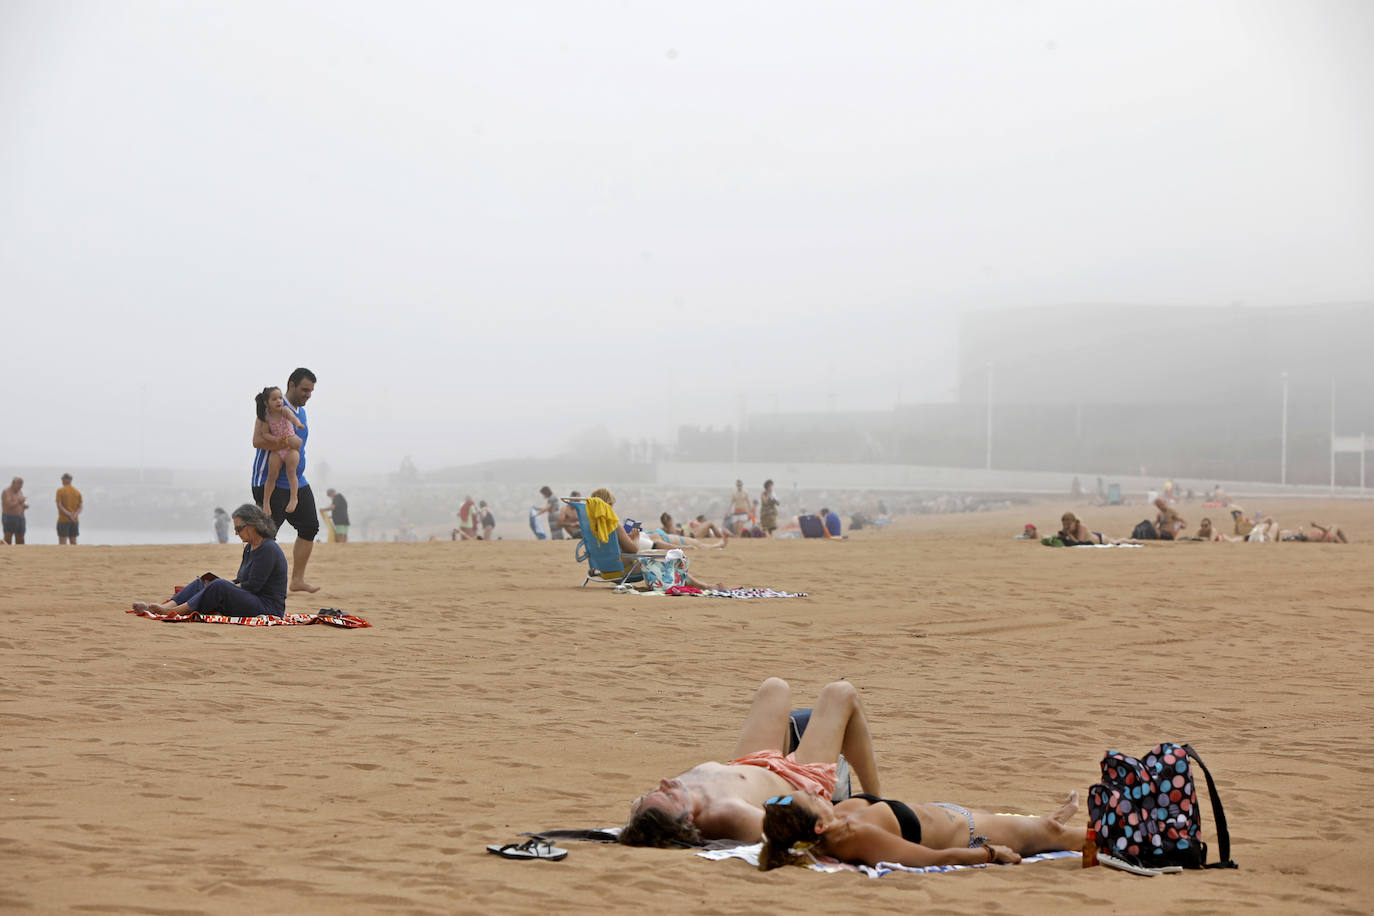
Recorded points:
14,506
1169,525
281,495
783,788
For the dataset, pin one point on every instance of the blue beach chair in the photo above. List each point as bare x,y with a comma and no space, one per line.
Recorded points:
605,562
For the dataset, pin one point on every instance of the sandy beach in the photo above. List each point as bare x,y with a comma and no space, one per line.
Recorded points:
189,768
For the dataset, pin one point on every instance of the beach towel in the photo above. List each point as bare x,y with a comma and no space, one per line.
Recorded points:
687,591
602,517
331,618
750,853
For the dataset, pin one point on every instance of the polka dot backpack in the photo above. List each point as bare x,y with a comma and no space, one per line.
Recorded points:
1145,812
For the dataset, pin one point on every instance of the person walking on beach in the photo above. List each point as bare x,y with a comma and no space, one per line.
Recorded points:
304,518
487,519
68,511
337,510
739,509
14,505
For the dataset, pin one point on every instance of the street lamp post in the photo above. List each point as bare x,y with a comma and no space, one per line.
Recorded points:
1283,435
989,455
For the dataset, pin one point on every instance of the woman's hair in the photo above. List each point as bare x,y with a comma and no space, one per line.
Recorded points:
603,494
250,514
656,827
261,398
664,519
220,511
545,491
785,826
767,484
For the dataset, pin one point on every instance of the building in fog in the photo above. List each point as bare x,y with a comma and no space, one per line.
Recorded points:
1189,392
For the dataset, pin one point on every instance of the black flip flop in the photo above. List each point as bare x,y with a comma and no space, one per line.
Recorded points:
530,849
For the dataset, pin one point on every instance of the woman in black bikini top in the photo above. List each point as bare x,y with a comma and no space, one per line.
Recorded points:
866,829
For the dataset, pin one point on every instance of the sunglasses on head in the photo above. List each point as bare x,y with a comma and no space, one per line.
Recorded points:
779,800
238,528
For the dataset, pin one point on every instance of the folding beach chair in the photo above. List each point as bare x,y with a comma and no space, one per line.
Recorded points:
1114,494
605,562
811,526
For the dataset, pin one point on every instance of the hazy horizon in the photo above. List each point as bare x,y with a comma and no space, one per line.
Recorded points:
491,229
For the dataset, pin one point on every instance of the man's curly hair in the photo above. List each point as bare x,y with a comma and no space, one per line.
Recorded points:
656,827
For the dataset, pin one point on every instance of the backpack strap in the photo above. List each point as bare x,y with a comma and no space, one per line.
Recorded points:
1223,834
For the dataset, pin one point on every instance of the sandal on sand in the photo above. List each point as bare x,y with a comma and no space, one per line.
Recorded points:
530,849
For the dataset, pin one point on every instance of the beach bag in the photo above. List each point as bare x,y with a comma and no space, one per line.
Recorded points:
1145,812
1145,531
662,574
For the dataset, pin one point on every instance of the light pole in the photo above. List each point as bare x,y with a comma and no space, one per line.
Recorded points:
1283,435
989,458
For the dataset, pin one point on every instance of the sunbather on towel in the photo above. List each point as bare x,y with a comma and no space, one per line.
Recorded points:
1168,524
673,535
865,829
1074,532
259,588
725,800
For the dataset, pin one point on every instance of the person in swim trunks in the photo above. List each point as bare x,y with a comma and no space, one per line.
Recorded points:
714,801
868,829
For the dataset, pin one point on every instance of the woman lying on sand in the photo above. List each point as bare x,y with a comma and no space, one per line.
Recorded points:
864,829
259,588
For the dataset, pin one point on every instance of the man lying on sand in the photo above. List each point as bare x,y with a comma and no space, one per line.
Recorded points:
725,800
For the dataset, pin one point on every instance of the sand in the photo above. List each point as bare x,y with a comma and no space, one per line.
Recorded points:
188,768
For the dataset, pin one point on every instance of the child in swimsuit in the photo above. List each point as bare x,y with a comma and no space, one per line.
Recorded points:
279,420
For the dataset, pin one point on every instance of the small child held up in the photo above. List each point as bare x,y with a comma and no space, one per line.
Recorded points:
279,420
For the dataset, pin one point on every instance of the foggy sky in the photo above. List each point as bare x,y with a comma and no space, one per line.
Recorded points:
487,227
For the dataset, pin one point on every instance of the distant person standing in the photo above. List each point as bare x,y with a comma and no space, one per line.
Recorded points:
768,509
304,518
739,509
487,519
467,520
14,506
68,511
221,525
337,510
553,509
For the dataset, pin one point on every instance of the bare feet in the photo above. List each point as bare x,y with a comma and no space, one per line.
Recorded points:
1067,810
303,586
140,606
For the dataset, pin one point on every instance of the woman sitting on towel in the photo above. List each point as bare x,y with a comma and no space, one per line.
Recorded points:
260,587
865,829
637,540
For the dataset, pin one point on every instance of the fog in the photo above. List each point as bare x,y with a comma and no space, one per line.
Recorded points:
490,228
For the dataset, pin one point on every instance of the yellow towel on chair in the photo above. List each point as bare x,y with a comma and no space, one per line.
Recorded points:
602,517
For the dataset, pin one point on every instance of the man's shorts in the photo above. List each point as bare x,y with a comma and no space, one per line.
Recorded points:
818,778
68,529
341,529
15,524
305,519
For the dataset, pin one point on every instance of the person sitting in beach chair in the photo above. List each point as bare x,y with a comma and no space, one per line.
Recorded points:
866,829
725,800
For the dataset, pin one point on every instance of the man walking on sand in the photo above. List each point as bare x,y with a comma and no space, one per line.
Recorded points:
14,504
299,387
68,511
